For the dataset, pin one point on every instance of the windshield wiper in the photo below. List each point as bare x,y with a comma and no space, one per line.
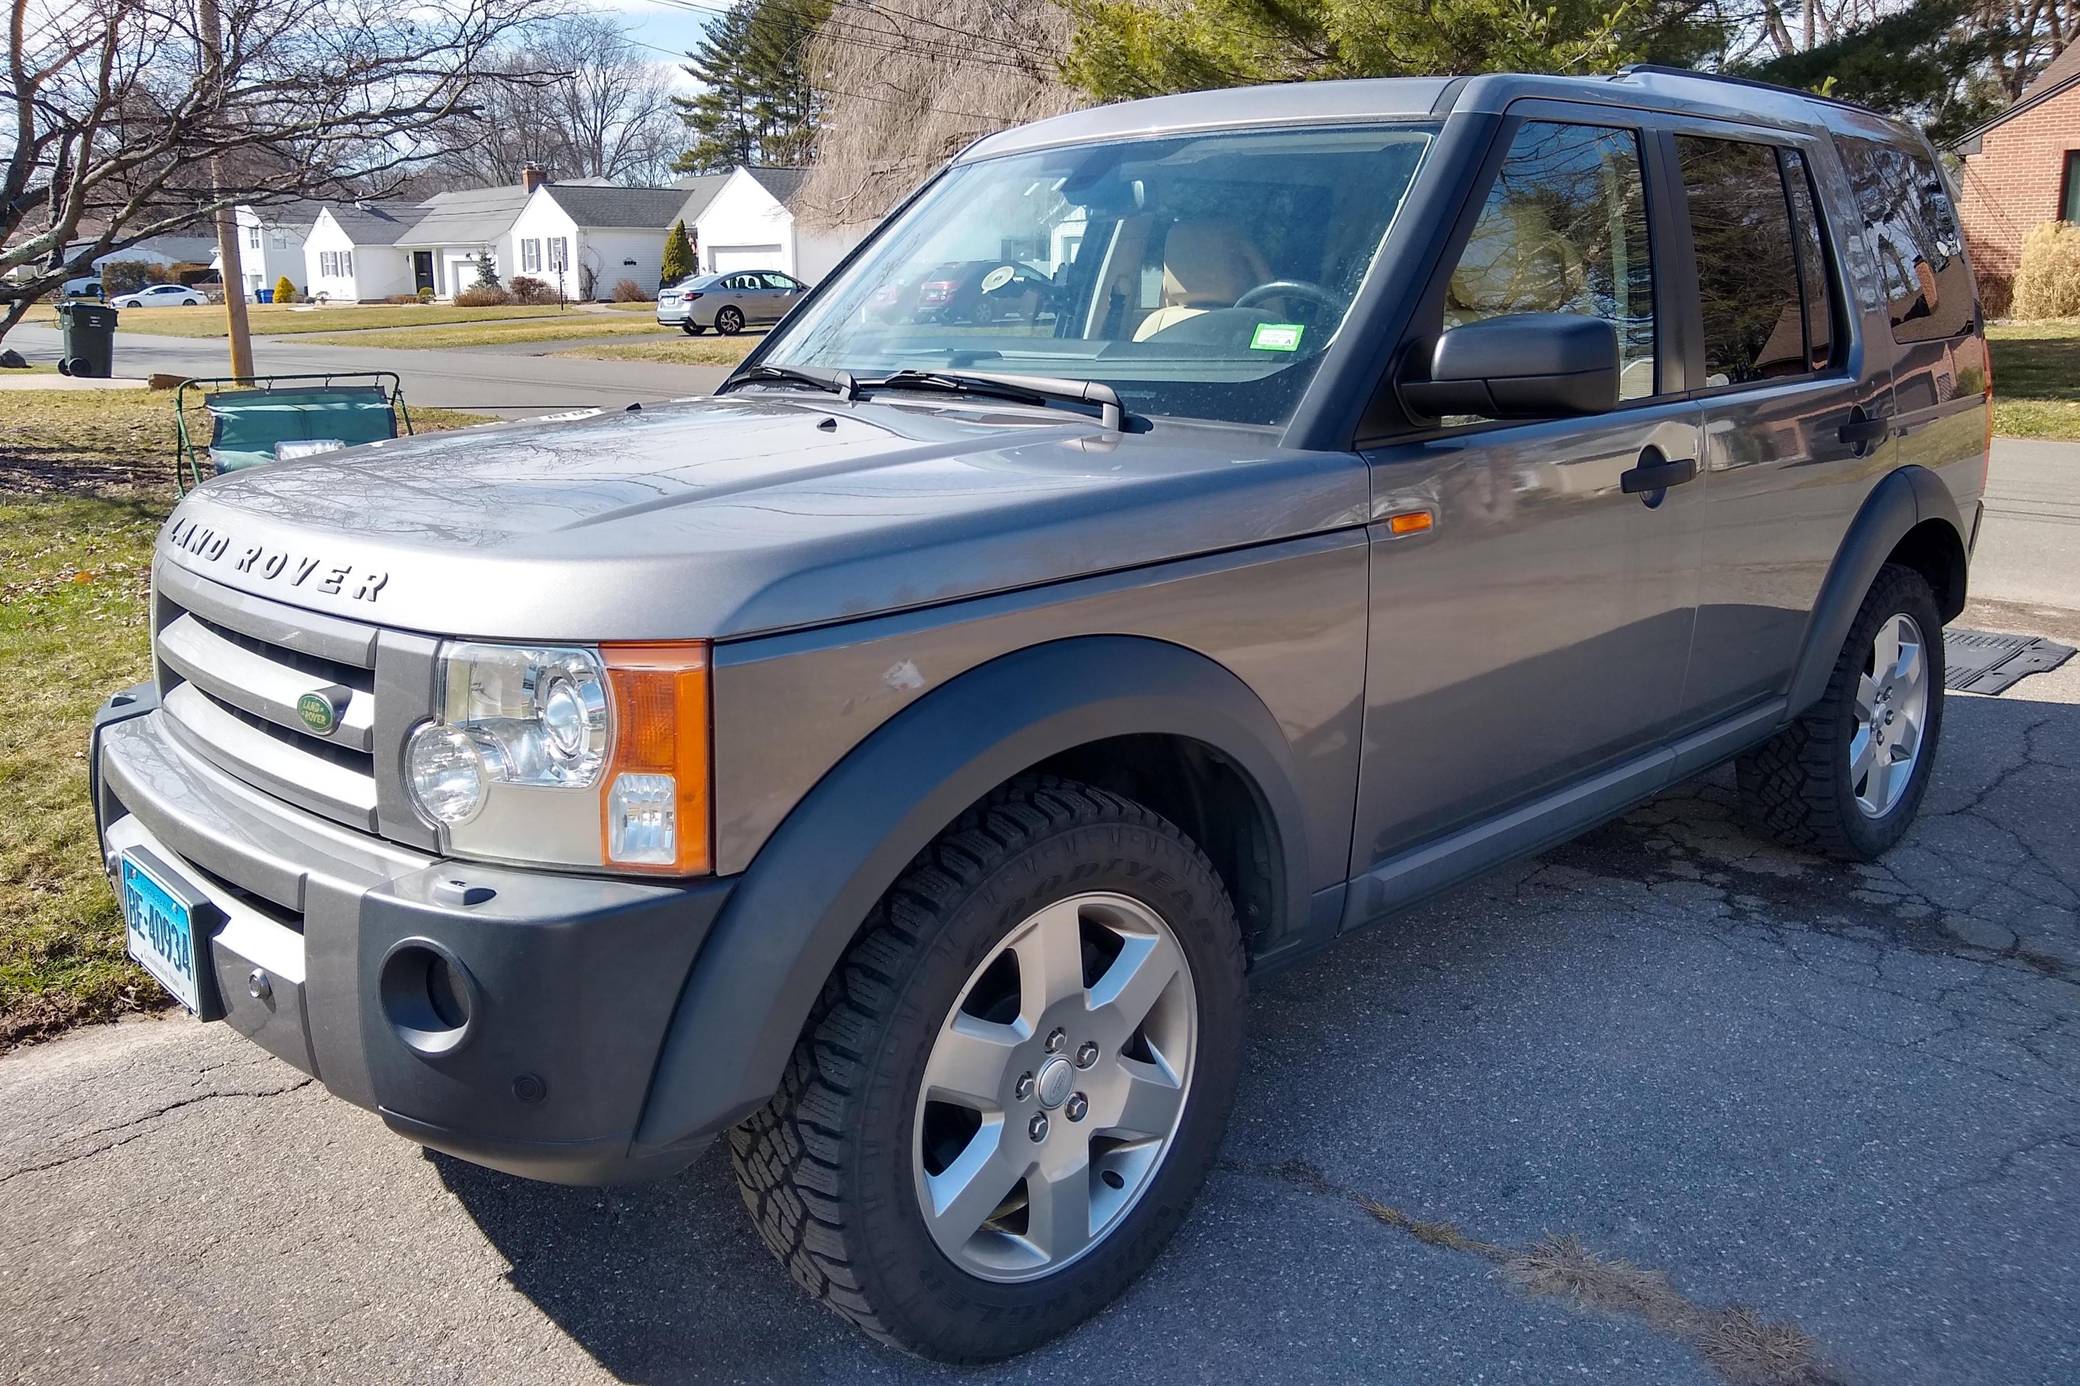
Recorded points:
1023,389
839,383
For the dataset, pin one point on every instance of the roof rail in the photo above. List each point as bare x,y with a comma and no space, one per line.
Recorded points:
1665,70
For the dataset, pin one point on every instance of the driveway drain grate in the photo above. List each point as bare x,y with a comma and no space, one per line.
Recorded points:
1977,661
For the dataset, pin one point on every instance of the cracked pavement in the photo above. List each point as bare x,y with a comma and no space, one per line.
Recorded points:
1847,1098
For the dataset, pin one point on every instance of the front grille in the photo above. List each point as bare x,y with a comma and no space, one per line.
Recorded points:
232,669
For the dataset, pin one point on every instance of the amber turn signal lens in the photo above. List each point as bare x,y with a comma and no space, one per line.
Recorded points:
1409,522
654,797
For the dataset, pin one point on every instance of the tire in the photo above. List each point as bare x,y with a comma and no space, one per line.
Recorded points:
1804,787
728,322
691,329
835,1168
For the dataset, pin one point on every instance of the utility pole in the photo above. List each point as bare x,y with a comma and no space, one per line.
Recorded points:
232,272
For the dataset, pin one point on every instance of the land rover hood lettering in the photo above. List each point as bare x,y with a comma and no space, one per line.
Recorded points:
274,565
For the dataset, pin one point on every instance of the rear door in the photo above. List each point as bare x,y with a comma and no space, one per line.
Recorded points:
1530,629
1797,405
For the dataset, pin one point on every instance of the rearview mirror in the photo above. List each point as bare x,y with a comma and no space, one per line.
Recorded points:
1518,366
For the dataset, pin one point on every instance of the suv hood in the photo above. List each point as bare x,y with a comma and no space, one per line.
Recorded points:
746,513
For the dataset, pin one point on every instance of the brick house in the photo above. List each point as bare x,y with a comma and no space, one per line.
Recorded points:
2021,169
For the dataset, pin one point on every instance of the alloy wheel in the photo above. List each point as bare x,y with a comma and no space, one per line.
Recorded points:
1054,1088
1891,711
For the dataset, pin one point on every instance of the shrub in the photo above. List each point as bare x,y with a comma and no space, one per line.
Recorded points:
482,296
530,290
678,255
628,291
2047,285
403,298
284,291
124,276
424,295
487,273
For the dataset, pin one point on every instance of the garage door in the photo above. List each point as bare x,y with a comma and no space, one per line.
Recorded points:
742,257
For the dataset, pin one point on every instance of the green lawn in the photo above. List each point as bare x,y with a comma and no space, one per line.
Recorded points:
2036,378
85,480
570,327
275,320
677,348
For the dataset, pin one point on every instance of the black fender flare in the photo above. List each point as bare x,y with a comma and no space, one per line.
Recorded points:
801,901
1900,501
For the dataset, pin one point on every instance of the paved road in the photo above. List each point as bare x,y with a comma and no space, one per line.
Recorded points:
1848,1098
505,382
2029,541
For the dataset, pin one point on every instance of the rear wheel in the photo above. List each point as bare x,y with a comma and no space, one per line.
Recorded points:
692,329
1012,1088
1847,778
729,322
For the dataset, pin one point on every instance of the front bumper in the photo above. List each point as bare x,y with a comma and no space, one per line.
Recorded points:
556,990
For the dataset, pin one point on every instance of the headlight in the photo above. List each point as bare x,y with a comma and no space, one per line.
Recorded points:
563,755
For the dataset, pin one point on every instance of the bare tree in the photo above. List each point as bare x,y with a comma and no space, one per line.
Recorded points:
118,109
907,84
575,97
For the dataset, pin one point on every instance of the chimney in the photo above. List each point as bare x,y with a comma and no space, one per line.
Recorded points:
531,176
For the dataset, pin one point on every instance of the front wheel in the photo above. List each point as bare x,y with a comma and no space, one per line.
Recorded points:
729,322
1010,1091
1846,778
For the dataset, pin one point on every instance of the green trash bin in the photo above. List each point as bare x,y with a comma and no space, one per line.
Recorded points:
90,340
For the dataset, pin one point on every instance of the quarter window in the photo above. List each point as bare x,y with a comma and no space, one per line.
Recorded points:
1920,250
1747,273
1564,230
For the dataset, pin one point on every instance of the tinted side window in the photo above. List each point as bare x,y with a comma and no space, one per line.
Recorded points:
1814,278
1914,233
1747,273
1564,230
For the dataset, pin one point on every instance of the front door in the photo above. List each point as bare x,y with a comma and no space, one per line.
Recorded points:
1530,628
422,271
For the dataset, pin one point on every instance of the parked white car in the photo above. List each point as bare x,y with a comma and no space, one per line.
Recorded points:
161,296
88,287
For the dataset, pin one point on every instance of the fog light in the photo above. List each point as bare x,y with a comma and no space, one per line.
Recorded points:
445,773
642,819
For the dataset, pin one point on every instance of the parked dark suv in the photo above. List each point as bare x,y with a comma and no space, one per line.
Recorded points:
900,762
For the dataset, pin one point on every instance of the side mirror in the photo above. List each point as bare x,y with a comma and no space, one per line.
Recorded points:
1518,366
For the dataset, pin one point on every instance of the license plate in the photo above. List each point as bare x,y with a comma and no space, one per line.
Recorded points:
162,916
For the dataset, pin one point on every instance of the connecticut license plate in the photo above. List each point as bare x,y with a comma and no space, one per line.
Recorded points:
161,926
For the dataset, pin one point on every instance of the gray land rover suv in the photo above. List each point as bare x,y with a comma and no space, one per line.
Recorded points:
898,763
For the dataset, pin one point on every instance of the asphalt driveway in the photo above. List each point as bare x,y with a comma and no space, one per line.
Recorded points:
1847,1099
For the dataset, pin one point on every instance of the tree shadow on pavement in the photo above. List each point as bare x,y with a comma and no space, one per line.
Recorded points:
1666,1038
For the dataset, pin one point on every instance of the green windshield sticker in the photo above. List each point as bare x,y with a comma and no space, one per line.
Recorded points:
1276,336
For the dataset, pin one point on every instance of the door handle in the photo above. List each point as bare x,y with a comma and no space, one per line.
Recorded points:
1864,429
1657,476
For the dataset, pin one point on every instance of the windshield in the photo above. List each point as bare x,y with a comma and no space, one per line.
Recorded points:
1200,277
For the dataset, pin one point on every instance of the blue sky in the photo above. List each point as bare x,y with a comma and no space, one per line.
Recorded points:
662,26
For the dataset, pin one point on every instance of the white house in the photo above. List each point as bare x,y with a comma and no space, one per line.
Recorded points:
457,229
584,238
351,252
270,243
745,219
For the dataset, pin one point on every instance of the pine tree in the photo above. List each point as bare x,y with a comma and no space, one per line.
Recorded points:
487,273
756,104
678,255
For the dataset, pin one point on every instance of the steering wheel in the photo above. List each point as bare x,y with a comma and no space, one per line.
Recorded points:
1294,288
